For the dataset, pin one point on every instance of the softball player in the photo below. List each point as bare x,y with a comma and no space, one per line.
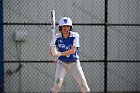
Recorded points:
67,44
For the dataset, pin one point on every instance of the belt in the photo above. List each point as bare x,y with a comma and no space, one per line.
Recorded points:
69,62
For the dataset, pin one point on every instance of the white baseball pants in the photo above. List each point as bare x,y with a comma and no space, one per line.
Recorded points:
75,70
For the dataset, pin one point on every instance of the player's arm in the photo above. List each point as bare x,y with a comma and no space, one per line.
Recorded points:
69,52
53,51
66,53
54,58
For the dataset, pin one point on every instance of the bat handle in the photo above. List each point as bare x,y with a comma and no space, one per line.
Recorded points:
54,48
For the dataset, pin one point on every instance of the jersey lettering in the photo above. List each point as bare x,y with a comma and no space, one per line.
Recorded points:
64,46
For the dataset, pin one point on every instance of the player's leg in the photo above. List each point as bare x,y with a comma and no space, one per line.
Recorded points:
59,77
78,75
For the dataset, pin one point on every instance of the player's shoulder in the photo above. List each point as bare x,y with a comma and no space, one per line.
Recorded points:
58,35
74,34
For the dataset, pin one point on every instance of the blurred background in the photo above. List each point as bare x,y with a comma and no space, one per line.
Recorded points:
109,38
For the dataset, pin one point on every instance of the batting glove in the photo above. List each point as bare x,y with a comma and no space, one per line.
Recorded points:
55,53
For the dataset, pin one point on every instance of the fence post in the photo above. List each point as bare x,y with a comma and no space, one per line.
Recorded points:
105,47
1,49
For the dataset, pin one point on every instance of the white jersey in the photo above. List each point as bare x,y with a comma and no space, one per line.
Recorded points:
64,44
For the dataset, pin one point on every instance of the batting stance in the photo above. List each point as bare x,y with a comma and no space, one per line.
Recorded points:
67,44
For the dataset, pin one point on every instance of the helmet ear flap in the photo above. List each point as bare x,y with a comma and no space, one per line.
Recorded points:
60,28
71,28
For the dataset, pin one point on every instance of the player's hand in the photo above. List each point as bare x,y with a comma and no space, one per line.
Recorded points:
50,53
55,53
54,59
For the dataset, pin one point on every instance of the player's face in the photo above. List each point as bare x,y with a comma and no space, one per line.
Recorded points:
65,29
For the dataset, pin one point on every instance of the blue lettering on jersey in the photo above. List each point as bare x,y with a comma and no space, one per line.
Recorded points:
64,46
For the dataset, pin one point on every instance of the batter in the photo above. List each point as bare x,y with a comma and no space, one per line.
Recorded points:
67,44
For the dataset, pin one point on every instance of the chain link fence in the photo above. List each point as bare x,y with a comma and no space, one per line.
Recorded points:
27,30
